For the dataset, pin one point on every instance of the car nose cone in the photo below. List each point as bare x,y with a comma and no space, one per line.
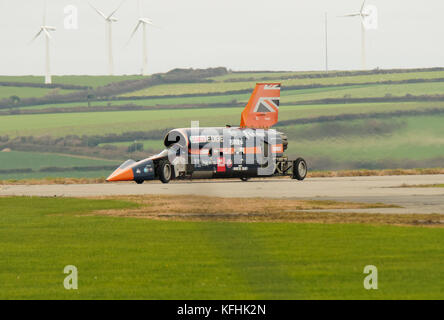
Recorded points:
121,175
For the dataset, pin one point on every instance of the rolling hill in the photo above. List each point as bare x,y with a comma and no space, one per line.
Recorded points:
341,120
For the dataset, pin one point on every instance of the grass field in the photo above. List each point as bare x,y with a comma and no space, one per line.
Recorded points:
391,140
257,75
398,90
410,74
111,122
413,138
396,141
127,258
150,102
194,88
35,160
93,174
147,144
89,81
115,122
287,96
23,92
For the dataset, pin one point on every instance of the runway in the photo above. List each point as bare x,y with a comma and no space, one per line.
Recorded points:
386,189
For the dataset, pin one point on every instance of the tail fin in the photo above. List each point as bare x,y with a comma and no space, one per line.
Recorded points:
263,107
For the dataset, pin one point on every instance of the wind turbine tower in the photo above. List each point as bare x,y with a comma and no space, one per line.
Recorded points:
369,21
109,20
45,30
143,22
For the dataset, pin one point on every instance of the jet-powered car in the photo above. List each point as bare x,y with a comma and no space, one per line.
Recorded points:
248,151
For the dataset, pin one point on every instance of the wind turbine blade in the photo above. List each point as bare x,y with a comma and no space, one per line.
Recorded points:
36,36
350,15
362,7
47,33
114,12
97,10
134,32
146,20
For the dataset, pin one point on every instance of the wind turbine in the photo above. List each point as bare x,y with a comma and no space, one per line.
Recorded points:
45,30
109,20
368,16
142,22
326,42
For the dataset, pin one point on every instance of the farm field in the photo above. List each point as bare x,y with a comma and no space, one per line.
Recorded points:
24,92
148,144
111,122
40,163
259,75
99,174
364,91
119,121
282,75
331,136
195,88
400,143
384,138
128,258
89,81
287,96
35,160
150,102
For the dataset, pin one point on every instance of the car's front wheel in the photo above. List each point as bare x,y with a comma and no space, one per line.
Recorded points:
165,171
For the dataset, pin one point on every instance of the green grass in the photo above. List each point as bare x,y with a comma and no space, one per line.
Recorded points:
90,81
364,91
148,144
62,174
112,122
36,160
259,76
89,123
125,258
150,102
288,96
195,88
417,138
23,92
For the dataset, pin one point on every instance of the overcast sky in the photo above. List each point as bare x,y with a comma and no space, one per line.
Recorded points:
238,34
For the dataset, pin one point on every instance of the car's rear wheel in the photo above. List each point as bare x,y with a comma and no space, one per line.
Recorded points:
245,179
139,181
165,171
300,169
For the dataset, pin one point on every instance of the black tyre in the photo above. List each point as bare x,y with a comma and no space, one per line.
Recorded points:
165,171
139,181
300,169
245,179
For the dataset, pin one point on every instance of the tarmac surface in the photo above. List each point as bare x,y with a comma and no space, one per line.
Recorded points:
386,189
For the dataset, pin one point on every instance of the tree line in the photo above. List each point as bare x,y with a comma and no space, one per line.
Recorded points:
331,74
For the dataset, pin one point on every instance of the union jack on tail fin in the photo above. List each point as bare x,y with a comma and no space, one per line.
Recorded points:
263,107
